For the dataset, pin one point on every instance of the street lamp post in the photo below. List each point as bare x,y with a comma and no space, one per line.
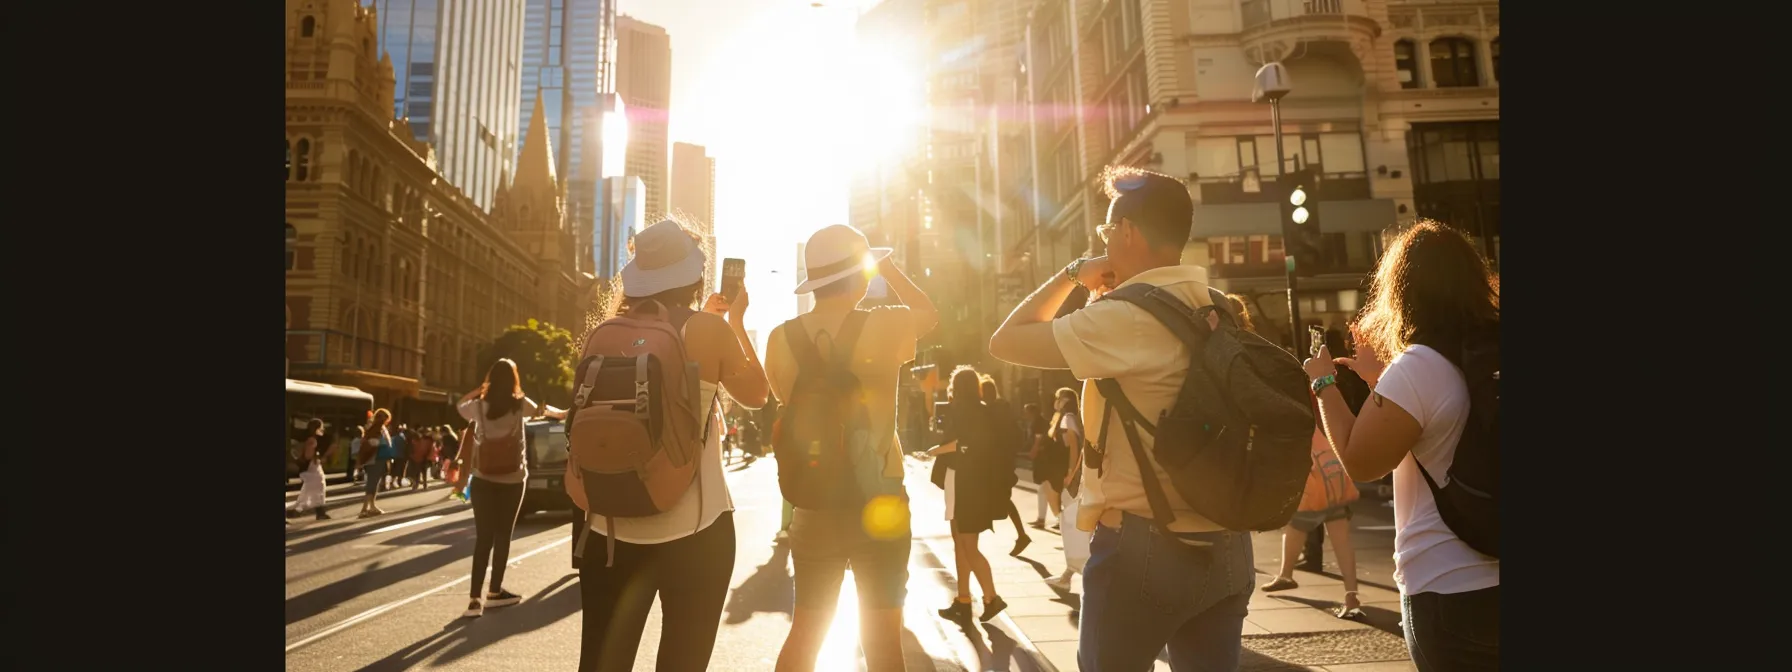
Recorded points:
1271,85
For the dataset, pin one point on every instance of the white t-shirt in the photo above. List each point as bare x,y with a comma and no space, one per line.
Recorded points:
698,508
1428,557
474,411
1069,423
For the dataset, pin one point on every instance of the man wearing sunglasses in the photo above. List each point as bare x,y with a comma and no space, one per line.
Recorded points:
1186,586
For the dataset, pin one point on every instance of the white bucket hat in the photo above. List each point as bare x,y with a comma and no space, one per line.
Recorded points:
836,252
665,258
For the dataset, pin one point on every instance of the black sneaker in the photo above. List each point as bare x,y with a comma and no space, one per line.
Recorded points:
991,608
474,609
959,611
502,598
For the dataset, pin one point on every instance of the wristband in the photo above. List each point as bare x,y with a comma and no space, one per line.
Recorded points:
1323,382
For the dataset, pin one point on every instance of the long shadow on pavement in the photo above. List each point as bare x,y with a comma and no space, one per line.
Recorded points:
458,550
464,636
1376,617
770,590
360,527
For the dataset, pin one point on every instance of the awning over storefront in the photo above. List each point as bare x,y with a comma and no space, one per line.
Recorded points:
1265,219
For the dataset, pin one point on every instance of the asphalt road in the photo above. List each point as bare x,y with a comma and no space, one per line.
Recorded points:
386,593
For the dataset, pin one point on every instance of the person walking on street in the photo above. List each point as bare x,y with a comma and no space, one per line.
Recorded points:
373,456
1433,302
423,456
395,465
497,470
320,447
1193,598
1063,437
1036,429
969,463
684,555
844,346
1007,436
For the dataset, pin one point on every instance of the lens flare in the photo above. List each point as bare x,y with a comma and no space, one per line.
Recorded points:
886,518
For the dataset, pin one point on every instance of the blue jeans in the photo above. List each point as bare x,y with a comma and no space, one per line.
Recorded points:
1458,631
1143,590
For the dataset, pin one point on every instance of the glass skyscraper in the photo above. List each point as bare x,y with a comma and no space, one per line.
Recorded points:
568,57
457,66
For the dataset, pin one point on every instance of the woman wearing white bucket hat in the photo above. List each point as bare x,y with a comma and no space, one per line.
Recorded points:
685,555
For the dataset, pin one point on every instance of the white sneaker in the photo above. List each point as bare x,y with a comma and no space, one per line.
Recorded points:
1061,582
475,609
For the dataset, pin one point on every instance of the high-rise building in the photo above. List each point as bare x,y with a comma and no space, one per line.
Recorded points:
622,216
394,279
694,198
1394,105
457,65
887,192
569,63
644,80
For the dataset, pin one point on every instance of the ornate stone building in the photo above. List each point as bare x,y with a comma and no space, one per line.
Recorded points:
394,278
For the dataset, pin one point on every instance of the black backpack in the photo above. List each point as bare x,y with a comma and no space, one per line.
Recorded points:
822,438
1238,441
1470,502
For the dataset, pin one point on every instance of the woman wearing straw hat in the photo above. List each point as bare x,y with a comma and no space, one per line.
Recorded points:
685,555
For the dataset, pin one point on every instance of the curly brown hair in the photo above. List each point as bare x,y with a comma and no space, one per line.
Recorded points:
1432,287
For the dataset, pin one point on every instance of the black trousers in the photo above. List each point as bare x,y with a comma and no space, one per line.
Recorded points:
495,507
689,575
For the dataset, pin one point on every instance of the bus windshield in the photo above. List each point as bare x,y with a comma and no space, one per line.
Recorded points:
338,406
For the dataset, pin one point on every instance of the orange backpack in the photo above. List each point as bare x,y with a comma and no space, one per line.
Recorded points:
636,424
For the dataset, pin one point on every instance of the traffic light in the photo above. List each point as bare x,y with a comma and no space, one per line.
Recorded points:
1301,241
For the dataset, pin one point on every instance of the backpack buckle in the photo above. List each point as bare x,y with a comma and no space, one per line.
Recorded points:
641,399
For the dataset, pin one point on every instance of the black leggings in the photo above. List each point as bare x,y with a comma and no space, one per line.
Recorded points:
690,575
495,506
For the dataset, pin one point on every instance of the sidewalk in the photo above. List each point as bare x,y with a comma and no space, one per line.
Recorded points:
1285,630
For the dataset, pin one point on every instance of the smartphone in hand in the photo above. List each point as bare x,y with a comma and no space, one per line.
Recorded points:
734,273
1315,339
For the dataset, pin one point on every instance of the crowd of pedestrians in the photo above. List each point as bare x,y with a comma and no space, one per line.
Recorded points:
1163,569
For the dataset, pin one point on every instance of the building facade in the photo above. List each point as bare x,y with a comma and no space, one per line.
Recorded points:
395,278
569,62
694,199
458,66
1394,105
644,80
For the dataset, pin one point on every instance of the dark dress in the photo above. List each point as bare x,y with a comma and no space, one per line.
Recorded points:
1053,463
984,467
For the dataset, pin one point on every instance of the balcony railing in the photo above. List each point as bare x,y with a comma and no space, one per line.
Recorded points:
330,349
1259,12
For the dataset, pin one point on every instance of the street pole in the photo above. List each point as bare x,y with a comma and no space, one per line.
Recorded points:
1295,333
1271,85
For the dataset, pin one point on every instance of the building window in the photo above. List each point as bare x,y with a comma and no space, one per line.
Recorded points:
302,171
1493,51
1406,64
292,241
289,158
1453,62
307,27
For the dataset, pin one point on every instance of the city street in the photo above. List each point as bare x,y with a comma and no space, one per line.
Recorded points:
386,593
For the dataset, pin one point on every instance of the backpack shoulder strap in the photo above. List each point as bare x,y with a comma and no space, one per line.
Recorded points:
801,346
849,337
1170,311
1222,305
1130,418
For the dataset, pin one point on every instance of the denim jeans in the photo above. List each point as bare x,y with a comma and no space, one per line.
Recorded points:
1458,631
1143,590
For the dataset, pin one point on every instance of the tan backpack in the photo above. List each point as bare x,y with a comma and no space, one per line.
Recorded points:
636,424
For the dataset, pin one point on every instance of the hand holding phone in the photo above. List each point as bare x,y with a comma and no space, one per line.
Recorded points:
734,273
1315,339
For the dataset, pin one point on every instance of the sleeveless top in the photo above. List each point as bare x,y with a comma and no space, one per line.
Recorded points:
702,503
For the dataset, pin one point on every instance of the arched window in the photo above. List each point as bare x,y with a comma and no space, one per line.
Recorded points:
1453,62
292,242
346,265
1406,64
302,171
1493,51
289,158
307,27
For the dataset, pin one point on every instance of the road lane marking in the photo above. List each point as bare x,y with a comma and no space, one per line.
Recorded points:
405,524
376,611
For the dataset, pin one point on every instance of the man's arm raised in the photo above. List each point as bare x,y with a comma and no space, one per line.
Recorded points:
1025,338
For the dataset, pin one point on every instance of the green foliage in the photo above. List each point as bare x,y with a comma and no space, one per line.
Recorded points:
544,357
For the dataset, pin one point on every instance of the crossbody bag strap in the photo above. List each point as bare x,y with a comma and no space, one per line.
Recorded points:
1130,420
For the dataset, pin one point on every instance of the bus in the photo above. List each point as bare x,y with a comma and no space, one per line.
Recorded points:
337,405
